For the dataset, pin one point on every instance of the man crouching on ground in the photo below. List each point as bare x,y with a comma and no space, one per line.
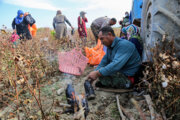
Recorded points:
120,63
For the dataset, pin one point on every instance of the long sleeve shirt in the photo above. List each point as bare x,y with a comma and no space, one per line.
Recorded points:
101,22
20,28
122,57
60,19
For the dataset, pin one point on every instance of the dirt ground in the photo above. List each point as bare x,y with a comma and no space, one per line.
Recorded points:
104,107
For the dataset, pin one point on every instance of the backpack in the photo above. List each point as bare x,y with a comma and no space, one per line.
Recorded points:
30,19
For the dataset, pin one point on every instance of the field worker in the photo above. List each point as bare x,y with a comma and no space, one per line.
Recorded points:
31,26
126,20
60,26
20,26
132,33
82,27
99,23
120,64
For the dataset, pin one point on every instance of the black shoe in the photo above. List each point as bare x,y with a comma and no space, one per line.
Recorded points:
89,90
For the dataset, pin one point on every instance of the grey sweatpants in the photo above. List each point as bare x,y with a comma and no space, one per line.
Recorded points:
61,30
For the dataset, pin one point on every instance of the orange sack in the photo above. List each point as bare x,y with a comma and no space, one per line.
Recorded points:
95,54
32,29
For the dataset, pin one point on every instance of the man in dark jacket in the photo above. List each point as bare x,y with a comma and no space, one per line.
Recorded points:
20,26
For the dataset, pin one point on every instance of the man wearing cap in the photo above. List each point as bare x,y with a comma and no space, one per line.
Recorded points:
60,26
101,22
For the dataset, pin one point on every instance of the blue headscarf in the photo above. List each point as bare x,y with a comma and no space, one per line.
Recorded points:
19,19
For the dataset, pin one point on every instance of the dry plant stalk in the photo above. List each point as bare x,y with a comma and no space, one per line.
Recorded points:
119,108
128,115
142,116
20,64
161,78
150,104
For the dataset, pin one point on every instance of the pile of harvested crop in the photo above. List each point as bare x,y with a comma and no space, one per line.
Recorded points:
162,79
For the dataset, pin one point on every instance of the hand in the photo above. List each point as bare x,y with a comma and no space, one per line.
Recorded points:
14,31
80,29
94,75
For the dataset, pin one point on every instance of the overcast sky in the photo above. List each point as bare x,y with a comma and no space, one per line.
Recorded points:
45,10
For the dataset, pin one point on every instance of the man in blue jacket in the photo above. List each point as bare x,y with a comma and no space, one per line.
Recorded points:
120,63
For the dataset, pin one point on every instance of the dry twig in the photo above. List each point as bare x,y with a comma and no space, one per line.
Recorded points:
138,108
119,108
150,104
114,90
126,113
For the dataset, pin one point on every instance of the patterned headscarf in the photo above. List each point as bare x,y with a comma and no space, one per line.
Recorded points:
131,31
124,31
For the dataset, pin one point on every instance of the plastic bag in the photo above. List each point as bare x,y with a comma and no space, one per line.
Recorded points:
95,54
32,29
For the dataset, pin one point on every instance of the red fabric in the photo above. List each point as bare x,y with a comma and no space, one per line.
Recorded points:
131,79
82,33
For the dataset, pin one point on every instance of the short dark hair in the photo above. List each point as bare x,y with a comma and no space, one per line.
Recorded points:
114,20
106,30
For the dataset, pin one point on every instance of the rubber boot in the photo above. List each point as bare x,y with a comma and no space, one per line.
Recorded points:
89,90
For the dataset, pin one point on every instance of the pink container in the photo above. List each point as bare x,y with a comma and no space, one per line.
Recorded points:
73,62
14,37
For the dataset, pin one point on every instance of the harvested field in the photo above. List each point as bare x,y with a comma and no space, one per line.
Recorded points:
30,78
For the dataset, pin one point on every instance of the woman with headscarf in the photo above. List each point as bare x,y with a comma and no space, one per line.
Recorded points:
82,27
132,33
60,26
20,26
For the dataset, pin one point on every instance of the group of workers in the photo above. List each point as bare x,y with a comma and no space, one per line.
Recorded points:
122,60
61,28
123,56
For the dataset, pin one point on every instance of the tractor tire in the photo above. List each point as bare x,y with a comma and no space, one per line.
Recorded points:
160,17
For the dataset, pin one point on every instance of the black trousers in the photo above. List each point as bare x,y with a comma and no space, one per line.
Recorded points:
25,35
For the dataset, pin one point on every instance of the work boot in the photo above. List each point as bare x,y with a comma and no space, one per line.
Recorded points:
89,90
